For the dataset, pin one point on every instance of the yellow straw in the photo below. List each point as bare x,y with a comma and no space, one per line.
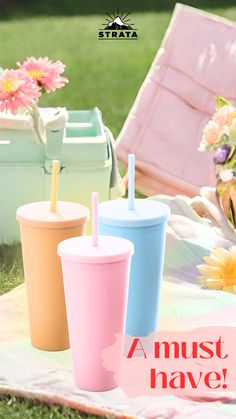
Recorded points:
54,187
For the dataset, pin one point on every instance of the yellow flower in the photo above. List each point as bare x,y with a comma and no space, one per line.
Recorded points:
35,74
220,269
11,84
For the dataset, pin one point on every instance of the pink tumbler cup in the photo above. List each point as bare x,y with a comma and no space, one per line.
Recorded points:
96,279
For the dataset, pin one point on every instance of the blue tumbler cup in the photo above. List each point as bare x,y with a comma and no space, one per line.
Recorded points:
145,226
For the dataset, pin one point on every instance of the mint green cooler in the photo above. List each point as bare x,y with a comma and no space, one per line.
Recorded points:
84,148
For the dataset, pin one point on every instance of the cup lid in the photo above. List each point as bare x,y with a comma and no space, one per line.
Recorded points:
146,213
38,214
81,249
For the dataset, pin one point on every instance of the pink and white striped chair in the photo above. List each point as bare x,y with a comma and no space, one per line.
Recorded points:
196,61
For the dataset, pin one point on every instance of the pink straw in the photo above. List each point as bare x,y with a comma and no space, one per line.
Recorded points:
95,218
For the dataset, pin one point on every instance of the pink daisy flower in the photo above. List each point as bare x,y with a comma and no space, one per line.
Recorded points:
17,90
45,72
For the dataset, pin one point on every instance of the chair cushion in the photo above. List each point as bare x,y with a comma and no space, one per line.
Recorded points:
196,61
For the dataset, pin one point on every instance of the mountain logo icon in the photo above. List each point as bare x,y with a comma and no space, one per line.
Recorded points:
117,23
118,27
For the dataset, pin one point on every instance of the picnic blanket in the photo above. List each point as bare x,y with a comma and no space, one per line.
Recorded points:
47,376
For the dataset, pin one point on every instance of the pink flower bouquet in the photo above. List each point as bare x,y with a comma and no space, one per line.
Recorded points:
219,136
22,87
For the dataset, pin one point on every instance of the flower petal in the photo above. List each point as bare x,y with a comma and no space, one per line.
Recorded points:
221,254
210,271
212,283
213,261
233,253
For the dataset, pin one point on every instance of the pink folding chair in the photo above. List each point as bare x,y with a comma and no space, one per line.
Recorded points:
196,61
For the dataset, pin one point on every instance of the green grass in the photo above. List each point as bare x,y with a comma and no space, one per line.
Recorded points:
103,74
15,407
11,271
12,8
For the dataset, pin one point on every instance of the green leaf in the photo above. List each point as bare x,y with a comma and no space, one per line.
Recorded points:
231,152
233,115
224,139
231,212
220,102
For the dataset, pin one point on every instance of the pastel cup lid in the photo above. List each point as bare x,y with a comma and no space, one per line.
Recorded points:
110,249
146,213
38,214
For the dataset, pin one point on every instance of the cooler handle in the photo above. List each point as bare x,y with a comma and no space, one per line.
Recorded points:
115,179
55,132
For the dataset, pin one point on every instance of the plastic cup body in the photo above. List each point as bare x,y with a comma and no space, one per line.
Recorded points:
96,301
146,275
44,282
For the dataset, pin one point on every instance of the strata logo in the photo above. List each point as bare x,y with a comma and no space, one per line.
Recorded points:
118,27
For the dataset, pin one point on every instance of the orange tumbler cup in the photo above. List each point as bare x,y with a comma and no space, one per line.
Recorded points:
41,232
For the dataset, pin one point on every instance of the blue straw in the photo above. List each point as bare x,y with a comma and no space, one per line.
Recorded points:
131,176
